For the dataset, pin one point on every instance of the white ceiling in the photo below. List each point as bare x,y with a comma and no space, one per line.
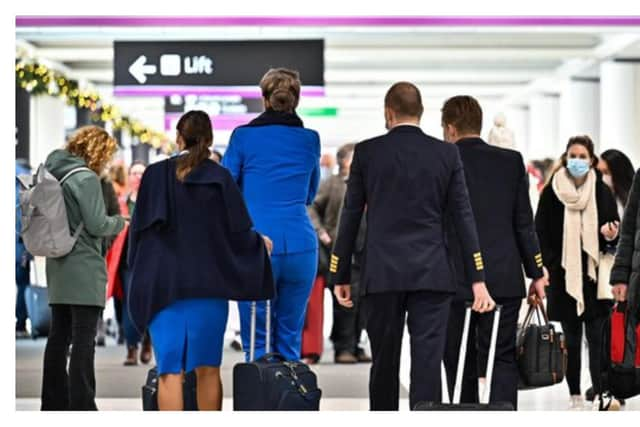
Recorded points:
495,64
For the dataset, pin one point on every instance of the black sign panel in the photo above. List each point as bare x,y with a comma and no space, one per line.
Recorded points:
215,63
213,104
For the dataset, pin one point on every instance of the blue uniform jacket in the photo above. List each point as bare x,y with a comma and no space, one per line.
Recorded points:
192,239
276,163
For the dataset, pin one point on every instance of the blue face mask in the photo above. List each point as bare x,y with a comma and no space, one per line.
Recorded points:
578,167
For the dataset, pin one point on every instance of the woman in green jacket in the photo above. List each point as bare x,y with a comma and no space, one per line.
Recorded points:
77,281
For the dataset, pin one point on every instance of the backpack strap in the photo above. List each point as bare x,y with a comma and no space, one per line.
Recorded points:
76,234
73,171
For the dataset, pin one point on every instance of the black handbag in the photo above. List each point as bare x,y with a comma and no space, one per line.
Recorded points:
150,391
540,350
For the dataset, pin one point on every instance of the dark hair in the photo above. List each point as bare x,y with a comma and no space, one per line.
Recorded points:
343,152
281,87
403,98
217,154
464,113
195,129
622,173
586,142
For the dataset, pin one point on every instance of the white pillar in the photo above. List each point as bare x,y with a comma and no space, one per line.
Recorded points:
580,109
543,127
620,108
46,127
518,122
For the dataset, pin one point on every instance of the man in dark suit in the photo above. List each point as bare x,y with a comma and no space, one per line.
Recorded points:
499,191
408,181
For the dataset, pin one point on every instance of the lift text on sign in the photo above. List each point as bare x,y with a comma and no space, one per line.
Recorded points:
213,63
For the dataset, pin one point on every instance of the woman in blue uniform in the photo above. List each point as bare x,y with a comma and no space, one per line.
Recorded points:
276,162
191,249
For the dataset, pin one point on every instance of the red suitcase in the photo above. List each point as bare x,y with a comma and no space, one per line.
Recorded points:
312,338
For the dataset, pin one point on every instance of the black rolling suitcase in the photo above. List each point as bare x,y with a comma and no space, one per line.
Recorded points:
37,300
271,383
150,392
484,404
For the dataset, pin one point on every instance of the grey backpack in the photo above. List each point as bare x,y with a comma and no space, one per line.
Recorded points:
45,226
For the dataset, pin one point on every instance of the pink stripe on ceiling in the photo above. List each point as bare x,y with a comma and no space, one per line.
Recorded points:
244,91
377,21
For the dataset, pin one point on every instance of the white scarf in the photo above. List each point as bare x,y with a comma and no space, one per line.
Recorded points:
580,231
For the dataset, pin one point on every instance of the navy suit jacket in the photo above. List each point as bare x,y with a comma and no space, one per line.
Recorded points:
499,191
408,182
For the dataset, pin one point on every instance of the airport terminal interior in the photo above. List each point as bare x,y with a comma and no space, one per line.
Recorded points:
545,79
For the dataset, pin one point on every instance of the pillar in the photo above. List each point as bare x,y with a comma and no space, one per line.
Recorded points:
620,107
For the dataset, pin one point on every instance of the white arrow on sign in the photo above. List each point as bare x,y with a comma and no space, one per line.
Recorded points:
139,69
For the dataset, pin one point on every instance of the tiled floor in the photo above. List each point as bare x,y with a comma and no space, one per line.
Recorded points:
344,386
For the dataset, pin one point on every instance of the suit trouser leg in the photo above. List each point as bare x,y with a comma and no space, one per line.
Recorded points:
504,385
469,392
294,289
385,324
428,313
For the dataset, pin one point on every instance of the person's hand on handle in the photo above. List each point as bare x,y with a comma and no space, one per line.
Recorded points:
536,289
324,237
619,292
610,230
343,295
482,301
268,244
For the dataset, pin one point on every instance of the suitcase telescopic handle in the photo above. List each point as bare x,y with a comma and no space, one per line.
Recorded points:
252,338
457,391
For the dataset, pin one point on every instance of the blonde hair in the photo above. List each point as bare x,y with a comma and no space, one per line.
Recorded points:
94,145
281,87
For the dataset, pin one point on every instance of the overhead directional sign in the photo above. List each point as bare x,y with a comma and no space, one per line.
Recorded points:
182,66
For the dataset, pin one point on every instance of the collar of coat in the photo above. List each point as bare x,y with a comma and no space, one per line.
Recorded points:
471,141
272,117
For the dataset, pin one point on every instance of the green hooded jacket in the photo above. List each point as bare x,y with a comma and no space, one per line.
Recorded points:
80,277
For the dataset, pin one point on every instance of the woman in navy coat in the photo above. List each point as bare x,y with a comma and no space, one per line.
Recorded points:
192,248
276,162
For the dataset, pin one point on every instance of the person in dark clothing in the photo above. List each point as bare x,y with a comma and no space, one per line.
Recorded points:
324,213
617,172
192,248
577,220
409,182
625,275
499,191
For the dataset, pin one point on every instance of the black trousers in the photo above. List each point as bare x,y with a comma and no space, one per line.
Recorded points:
426,314
572,330
504,385
75,390
348,323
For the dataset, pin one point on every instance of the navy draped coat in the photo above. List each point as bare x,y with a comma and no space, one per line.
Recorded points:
193,239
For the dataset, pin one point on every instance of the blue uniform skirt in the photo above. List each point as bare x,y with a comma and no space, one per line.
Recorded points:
189,334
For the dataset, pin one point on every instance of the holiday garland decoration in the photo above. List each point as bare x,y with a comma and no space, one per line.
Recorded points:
38,79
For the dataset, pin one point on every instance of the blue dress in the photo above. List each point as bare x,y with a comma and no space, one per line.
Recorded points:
276,163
